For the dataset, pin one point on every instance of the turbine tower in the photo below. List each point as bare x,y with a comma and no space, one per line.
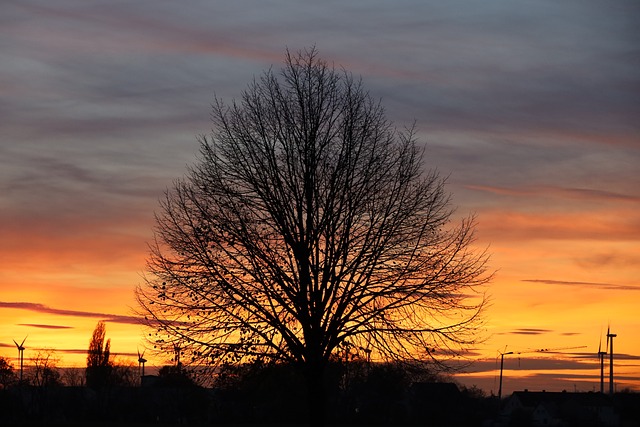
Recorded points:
21,355
610,336
601,355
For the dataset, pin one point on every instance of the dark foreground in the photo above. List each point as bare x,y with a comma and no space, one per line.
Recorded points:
423,404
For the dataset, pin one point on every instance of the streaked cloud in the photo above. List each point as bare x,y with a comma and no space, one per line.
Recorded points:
83,352
35,325
530,331
70,351
41,308
591,285
550,191
617,357
562,362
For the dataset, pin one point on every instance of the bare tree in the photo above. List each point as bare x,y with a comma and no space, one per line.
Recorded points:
45,371
124,373
73,377
99,365
309,222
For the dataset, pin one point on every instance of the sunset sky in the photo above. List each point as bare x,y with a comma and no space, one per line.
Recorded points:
532,108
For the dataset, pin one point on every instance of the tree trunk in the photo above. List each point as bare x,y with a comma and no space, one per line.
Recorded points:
316,395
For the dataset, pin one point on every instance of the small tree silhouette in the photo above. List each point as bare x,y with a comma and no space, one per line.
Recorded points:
7,375
99,366
45,371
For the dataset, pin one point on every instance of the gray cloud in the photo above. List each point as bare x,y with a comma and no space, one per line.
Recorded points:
133,76
553,65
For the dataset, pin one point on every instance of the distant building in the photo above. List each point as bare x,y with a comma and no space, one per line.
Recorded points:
548,409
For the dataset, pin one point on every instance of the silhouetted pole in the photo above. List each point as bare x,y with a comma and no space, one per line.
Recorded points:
611,336
501,367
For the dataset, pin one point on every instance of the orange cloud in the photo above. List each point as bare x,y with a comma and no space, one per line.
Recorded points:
558,192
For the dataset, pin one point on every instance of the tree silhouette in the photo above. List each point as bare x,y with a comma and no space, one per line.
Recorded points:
45,371
7,375
99,366
307,222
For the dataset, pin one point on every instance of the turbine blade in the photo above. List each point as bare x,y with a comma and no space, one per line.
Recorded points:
600,343
17,345
22,343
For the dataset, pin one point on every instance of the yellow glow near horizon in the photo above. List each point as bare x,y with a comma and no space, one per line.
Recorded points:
534,305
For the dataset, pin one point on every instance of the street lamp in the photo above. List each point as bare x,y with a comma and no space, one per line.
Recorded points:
501,366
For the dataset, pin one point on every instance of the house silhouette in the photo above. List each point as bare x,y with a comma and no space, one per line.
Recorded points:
543,408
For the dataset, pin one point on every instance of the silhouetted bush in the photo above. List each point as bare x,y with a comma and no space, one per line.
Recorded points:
7,375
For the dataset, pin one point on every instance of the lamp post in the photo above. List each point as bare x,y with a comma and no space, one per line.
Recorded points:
501,366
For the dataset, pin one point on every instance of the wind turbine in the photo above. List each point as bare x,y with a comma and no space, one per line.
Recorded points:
601,355
141,362
610,336
21,355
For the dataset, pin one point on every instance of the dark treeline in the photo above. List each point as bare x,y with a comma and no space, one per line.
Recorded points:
359,393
